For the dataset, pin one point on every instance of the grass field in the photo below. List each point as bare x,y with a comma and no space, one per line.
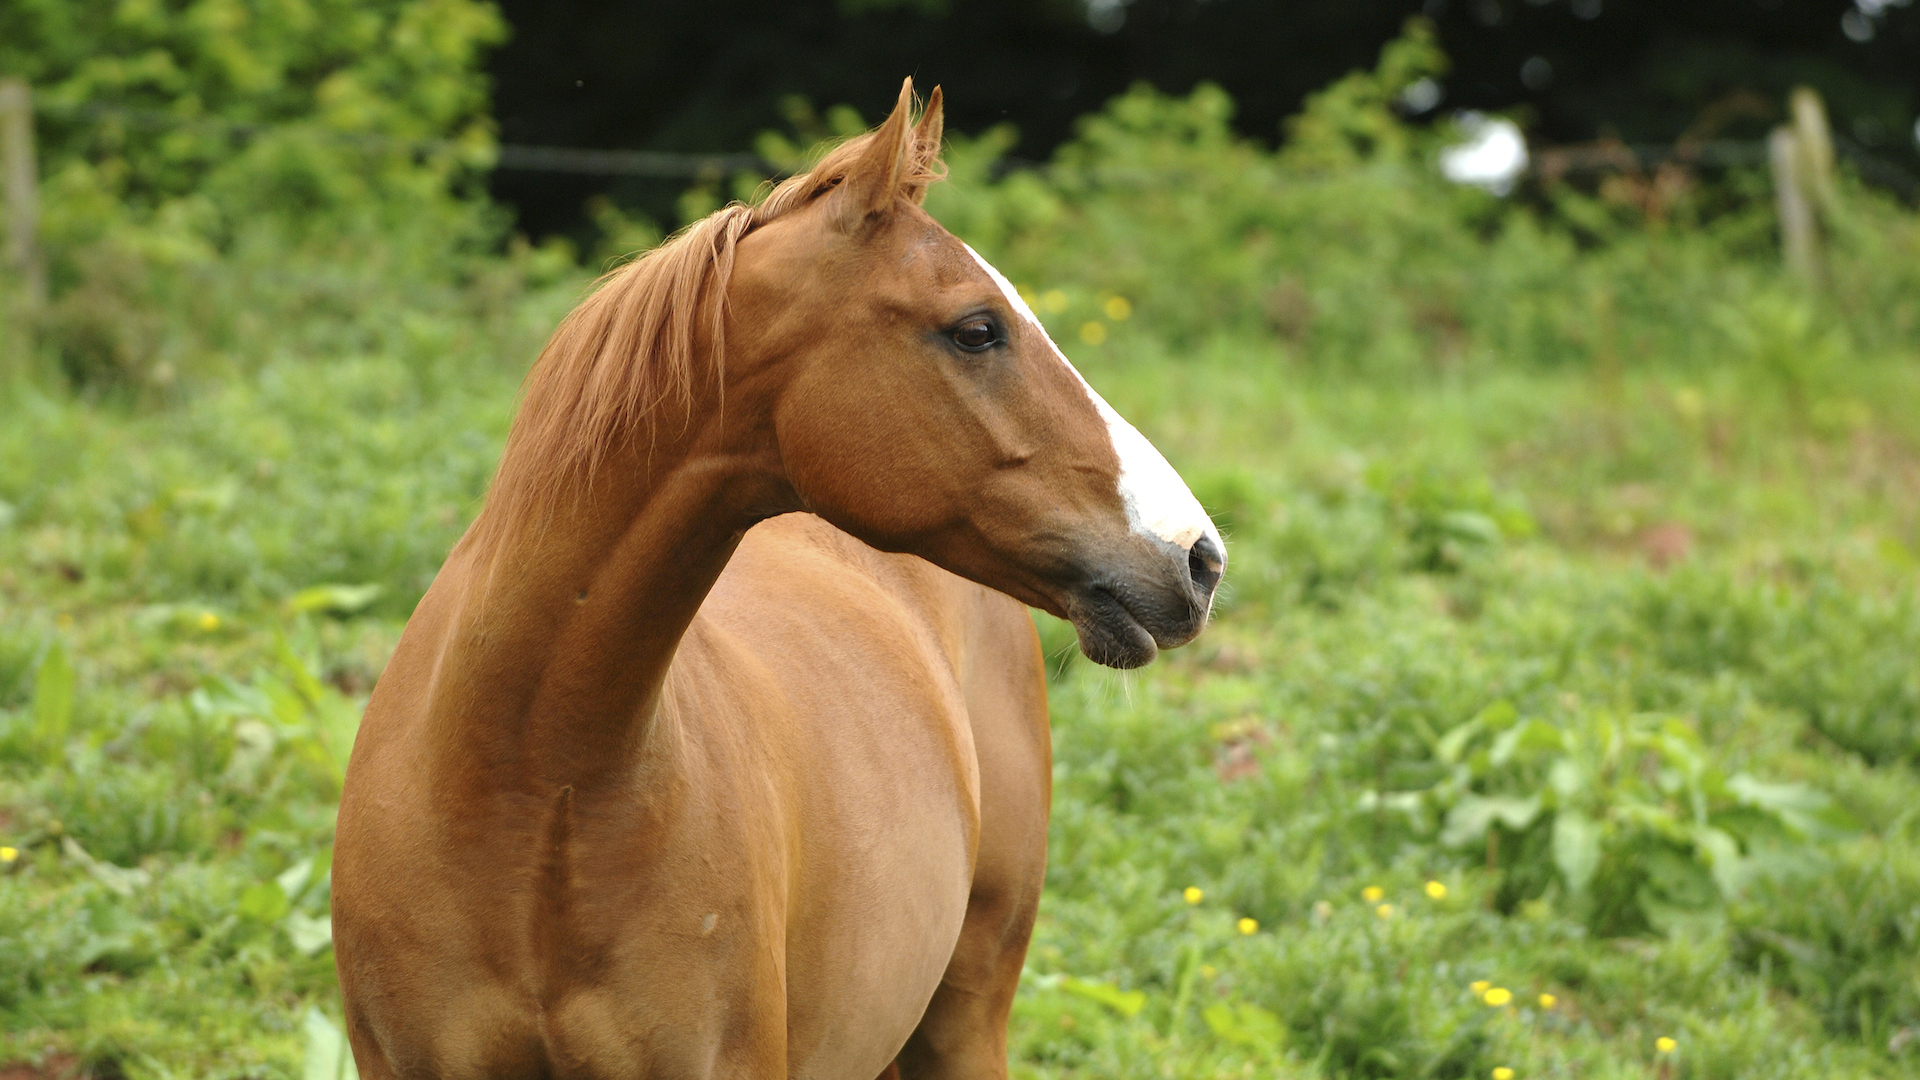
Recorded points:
1560,718
1678,576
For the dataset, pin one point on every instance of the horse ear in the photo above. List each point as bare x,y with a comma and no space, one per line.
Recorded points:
926,166
875,178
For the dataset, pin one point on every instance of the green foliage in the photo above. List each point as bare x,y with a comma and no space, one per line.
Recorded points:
214,169
1352,124
1347,246
53,688
1628,813
316,78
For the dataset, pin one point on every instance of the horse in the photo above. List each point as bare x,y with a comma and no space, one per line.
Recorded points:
719,747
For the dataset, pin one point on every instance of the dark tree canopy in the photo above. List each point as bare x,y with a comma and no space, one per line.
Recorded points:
709,74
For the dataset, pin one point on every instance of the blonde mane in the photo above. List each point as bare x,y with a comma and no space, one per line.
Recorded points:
644,336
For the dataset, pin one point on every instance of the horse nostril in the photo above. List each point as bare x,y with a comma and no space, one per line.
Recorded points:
1205,561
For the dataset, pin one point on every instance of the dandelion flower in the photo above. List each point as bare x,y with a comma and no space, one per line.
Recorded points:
1054,301
1479,987
8,854
1372,894
1501,1072
1208,971
1436,890
1093,333
1665,1045
1498,996
1193,894
1248,926
209,621
1548,1001
1385,911
1118,308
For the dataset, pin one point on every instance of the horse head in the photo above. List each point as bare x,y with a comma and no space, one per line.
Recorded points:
922,407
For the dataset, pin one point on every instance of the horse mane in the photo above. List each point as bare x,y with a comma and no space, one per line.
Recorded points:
646,333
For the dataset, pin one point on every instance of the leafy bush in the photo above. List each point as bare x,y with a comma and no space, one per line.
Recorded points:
215,170
1347,246
1628,814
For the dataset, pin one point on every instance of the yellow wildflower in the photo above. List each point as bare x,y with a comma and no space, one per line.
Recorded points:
1479,987
1117,308
1665,1045
209,621
1093,333
1385,911
8,854
1193,894
1248,926
1548,1001
1054,301
1501,1072
1688,402
1498,996
1436,890
1372,894
1208,971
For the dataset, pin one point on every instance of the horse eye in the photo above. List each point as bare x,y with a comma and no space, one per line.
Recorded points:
976,335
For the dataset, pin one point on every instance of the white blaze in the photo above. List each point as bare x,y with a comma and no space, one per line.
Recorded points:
1158,502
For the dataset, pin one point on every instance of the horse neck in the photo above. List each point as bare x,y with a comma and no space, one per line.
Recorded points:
565,621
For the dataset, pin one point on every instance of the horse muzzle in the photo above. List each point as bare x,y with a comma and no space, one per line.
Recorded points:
1155,599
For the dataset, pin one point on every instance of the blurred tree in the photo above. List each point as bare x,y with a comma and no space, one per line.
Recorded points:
190,149
248,106
709,74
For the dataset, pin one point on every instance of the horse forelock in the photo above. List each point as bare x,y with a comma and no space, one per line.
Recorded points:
639,339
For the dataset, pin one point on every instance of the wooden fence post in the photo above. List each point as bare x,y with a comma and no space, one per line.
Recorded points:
1800,154
22,184
1798,242
1816,148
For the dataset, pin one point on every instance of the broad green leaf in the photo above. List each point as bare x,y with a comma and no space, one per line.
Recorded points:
263,903
1473,815
1567,779
309,933
1498,716
1127,1003
304,680
1800,808
328,1056
1470,526
1767,796
1723,859
120,880
1245,1024
1525,740
53,693
293,880
1576,848
334,599
1495,717
1679,878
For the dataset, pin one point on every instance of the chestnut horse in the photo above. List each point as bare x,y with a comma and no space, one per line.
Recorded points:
719,746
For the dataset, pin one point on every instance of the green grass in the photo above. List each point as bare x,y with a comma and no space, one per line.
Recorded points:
1283,764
